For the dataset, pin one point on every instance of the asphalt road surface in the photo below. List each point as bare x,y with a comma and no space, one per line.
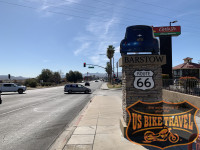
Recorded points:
32,121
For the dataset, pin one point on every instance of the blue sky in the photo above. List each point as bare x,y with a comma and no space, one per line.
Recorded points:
61,35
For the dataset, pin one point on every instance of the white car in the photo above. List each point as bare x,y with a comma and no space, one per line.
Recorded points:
12,87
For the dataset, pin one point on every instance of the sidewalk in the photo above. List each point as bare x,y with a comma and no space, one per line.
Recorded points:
104,86
98,128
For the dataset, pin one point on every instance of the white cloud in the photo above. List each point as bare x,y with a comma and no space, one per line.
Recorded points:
83,47
117,49
95,59
101,32
104,36
46,5
184,14
45,61
68,18
100,28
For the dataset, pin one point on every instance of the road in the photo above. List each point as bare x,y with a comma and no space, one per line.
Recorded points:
32,121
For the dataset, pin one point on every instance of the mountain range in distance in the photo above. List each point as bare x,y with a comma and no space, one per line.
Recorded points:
5,77
101,74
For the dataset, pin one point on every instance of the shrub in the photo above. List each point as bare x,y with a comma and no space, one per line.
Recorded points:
31,82
47,84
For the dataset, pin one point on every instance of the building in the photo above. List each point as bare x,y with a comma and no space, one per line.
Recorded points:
188,68
87,78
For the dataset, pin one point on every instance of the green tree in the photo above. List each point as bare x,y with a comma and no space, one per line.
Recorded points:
110,54
78,76
108,69
56,78
46,75
70,76
74,76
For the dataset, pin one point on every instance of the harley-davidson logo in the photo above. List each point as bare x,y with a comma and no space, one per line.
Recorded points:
162,124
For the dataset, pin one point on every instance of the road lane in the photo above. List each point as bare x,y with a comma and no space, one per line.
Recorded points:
33,120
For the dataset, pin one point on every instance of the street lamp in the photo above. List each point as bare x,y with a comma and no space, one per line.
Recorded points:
172,22
113,67
113,70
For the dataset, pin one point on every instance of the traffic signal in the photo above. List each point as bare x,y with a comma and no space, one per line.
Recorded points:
84,64
114,75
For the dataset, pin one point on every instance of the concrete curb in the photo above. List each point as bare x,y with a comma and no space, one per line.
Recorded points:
64,136
103,87
115,89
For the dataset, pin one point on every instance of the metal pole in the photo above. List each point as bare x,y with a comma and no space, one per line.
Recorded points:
87,76
113,71
113,67
117,68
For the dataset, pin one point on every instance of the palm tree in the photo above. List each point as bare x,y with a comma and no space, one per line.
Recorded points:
110,53
108,69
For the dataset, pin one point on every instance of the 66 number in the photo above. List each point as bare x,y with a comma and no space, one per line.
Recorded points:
146,83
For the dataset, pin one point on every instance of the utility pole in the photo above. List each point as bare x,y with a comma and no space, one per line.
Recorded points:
9,77
113,66
87,76
113,71
117,68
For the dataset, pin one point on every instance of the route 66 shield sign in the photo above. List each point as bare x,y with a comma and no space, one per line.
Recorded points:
143,80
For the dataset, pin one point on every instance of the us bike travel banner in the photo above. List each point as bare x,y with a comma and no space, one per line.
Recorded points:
162,124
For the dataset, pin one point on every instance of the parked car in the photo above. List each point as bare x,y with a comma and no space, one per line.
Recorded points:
139,38
96,81
87,84
12,87
117,80
70,88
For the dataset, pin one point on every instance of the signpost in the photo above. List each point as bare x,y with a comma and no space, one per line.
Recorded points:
165,34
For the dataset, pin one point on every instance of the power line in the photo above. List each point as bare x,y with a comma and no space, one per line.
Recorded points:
108,3
111,4
90,13
60,13
146,12
162,7
125,18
